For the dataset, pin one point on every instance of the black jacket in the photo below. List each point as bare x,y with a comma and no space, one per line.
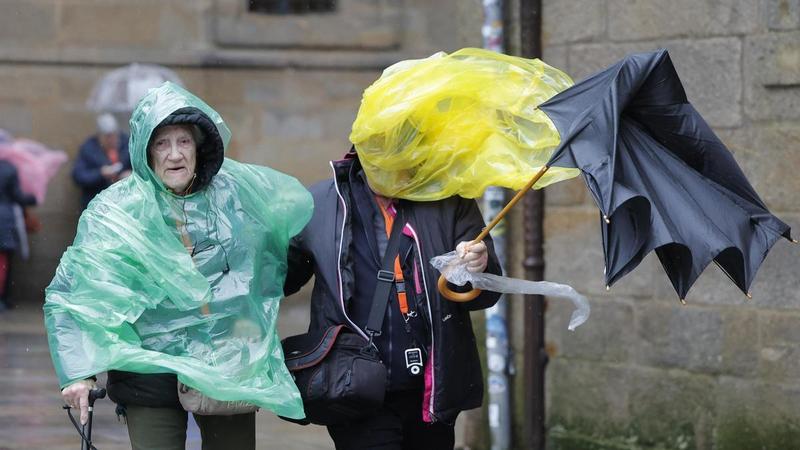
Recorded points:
10,194
324,249
91,157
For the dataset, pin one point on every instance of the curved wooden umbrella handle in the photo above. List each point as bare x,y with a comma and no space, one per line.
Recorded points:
461,297
453,296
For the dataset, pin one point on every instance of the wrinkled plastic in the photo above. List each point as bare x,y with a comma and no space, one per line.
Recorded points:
128,295
455,270
36,163
455,124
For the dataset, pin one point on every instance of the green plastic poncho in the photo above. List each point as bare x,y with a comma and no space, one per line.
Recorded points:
128,295
455,124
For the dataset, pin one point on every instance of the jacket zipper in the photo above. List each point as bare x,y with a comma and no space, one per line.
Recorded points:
339,258
430,318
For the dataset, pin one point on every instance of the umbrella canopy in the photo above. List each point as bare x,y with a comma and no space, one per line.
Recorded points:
36,163
121,89
661,178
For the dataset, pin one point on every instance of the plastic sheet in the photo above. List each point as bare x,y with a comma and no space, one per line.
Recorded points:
451,265
128,295
454,124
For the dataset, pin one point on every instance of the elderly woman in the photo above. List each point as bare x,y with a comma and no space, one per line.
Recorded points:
174,279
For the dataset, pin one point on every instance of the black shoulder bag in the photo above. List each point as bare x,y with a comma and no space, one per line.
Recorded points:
340,375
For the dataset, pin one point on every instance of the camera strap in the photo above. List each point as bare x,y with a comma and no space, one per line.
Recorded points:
386,278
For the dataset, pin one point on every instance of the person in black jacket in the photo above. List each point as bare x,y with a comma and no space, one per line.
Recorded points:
102,159
10,194
342,246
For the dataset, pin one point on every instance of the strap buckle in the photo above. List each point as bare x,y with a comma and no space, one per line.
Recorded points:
385,275
372,334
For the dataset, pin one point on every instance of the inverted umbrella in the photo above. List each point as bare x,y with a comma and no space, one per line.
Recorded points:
121,89
661,178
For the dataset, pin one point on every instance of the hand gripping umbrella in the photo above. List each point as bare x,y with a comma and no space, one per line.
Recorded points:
662,179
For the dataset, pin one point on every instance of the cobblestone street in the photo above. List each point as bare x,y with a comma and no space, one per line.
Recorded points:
31,416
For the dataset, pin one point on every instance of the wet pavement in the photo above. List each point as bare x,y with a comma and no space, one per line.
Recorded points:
31,416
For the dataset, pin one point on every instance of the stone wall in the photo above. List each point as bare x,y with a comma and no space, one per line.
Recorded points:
644,371
288,86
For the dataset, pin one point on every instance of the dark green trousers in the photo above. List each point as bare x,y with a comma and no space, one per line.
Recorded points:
165,429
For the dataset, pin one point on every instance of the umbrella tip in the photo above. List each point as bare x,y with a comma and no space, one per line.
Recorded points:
795,241
683,302
608,288
749,297
605,217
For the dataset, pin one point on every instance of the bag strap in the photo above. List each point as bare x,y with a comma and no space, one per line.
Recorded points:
386,278
400,286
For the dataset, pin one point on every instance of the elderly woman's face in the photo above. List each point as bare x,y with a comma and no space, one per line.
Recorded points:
173,155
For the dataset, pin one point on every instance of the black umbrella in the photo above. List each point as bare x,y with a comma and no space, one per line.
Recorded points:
662,179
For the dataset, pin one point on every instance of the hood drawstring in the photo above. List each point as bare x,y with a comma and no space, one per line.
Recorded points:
188,188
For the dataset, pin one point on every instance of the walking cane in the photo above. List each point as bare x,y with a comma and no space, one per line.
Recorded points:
86,430
461,297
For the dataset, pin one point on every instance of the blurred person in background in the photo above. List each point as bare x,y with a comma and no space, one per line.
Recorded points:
10,194
102,160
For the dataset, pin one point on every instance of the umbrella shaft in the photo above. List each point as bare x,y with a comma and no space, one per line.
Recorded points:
511,204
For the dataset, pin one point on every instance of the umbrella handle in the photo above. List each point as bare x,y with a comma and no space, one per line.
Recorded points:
461,297
453,296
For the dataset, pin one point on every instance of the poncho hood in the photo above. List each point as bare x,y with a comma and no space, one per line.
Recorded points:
170,104
155,282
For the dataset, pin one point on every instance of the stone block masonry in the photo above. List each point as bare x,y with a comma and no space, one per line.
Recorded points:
646,372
